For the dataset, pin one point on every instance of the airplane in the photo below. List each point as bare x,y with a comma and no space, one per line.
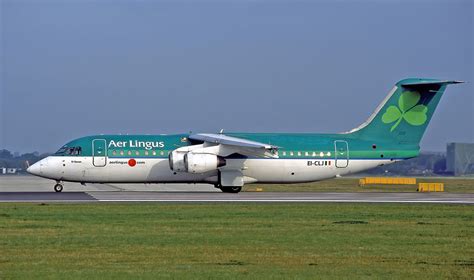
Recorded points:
230,160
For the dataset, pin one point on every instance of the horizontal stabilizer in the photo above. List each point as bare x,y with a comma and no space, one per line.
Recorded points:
430,82
424,86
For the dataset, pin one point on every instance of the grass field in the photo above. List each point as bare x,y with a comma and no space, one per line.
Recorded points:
252,241
458,185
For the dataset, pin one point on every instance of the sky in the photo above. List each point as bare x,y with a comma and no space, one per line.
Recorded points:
76,68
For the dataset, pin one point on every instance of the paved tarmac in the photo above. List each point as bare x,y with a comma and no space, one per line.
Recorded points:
140,196
28,183
38,190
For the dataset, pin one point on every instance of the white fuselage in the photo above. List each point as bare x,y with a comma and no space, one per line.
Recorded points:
157,170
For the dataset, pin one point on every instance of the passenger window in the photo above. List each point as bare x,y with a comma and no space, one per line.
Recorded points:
306,154
299,154
114,152
284,153
137,153
121,153
291,153
129,153
154,153
146,153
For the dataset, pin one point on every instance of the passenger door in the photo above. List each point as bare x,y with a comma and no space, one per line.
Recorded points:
99,152
341,153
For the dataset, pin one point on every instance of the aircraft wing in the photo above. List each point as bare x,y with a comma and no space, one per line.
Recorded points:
240,145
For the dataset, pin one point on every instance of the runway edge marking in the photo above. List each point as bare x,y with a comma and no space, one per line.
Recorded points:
244,201
288,200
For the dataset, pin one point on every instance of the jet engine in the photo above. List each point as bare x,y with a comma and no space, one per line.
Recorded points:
200,163
176,161
176,157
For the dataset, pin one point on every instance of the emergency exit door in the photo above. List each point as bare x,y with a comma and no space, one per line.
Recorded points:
99,152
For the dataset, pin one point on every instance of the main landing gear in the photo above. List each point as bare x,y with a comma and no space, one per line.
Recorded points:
58,187
228,189
231,189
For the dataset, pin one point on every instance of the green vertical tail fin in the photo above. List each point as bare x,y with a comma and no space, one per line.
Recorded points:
403,116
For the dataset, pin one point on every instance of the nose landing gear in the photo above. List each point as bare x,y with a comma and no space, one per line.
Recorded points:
58,187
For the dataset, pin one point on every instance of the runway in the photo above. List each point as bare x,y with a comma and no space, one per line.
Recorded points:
258,197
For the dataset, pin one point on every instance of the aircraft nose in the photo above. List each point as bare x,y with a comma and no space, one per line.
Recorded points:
35,169
38,168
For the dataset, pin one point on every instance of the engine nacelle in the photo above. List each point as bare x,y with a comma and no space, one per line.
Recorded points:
176,161
200,163
176,157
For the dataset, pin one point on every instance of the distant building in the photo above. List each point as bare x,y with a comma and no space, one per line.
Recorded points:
460,158
6,171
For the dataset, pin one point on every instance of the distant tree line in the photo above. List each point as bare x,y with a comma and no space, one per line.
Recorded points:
426,164
10,160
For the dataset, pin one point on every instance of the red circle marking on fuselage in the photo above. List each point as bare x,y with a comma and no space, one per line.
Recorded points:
132,162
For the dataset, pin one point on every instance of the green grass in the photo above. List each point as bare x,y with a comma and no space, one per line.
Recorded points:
236,240
352,185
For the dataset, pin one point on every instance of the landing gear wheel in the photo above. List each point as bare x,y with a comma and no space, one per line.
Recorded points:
231,189
58,188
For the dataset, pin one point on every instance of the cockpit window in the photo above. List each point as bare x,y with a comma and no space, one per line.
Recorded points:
69,151
77,151
61,151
